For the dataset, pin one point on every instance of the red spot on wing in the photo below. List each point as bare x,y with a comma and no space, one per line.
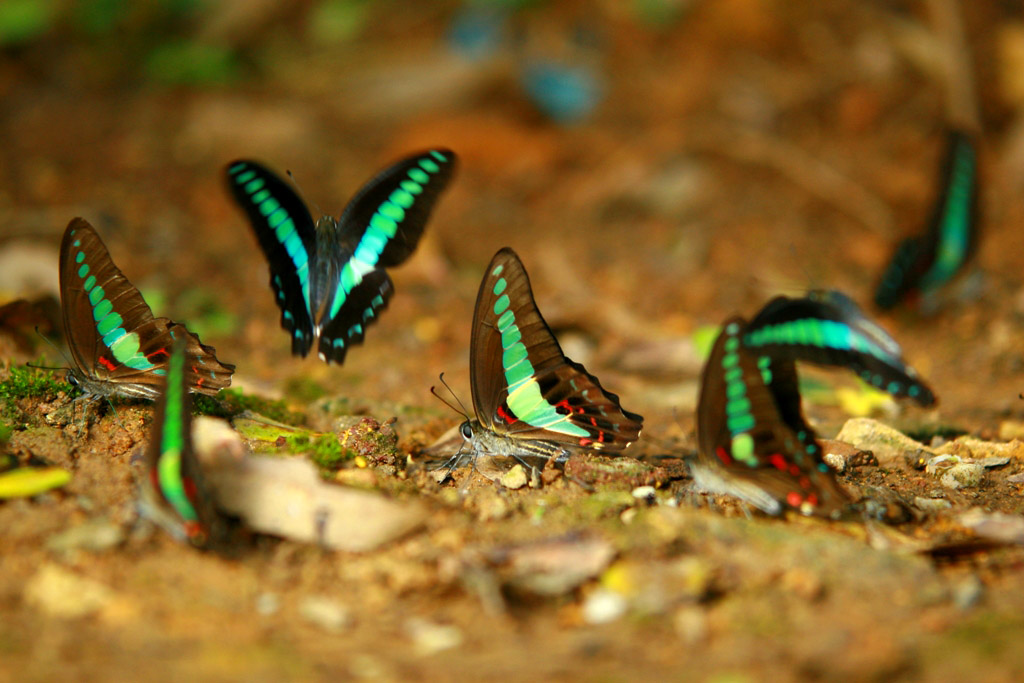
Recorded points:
507,417
107,364
585,442
793,499
723,455
812,499
778,461
201,379
157,352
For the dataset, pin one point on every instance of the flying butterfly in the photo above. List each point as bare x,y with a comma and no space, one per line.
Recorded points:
754,440
173,492
532,404
329,278
925,262
118,347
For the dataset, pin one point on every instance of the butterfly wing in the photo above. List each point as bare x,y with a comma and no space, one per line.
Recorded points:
174,493
116,343
927,261
828,328
379,229
742,434
287,235
523,385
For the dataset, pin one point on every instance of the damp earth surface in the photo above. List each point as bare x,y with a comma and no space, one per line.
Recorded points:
726,153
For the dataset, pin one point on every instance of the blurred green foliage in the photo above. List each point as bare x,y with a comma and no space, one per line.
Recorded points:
22,21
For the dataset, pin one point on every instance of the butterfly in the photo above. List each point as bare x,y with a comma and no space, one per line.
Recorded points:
923,263
173,493
532,404
753,439
117,346
329,278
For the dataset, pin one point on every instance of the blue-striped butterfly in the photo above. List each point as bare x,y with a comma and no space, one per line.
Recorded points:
118,347
923,263
754,441
173,492
329,278
532,403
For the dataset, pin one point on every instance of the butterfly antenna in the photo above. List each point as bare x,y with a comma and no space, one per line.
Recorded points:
303,194
461,410
56,348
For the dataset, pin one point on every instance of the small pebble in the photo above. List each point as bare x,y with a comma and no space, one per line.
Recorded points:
1016,478
967,592
645,493
60,593
95,535
324,612
994,461
430,638
267,604
836,461
931,504
963,475
603,606
515,478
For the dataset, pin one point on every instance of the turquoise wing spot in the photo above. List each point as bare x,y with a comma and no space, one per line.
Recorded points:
429,166
505,319
517,376
510,337
109,323
160,371
377,301
383,224
277,218
110,338
497,270
501,305
89,283
338,343
261,196
96,295
499,286
402,198
242,178
392,211
254,185
355,329
102,310
83,270
411,186
513,356
419,176
79,257
269,205
440,157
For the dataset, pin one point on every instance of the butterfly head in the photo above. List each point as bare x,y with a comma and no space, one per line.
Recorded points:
466,430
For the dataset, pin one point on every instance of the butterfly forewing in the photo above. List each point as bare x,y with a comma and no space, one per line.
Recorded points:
928,260
116,343
828,328
523,385
287,235
741,431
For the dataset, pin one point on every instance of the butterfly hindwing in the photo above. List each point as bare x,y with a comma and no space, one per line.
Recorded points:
174,492
523,385
828,328
287,235
116,343
741,430
370,297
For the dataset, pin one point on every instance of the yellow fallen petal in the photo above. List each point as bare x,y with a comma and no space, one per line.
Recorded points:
31,481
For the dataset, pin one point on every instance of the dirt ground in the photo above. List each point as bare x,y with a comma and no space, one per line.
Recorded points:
741,149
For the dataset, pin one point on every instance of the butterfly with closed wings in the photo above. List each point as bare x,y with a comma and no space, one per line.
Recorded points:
532,404
117,346
753,439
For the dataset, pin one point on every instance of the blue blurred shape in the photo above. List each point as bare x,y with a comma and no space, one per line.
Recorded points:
566,93
476,32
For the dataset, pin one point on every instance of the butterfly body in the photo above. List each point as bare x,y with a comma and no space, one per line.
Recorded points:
925,262
173,493
532,403
117,345
329,277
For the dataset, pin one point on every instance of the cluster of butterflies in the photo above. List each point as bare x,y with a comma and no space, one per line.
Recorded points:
532,403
